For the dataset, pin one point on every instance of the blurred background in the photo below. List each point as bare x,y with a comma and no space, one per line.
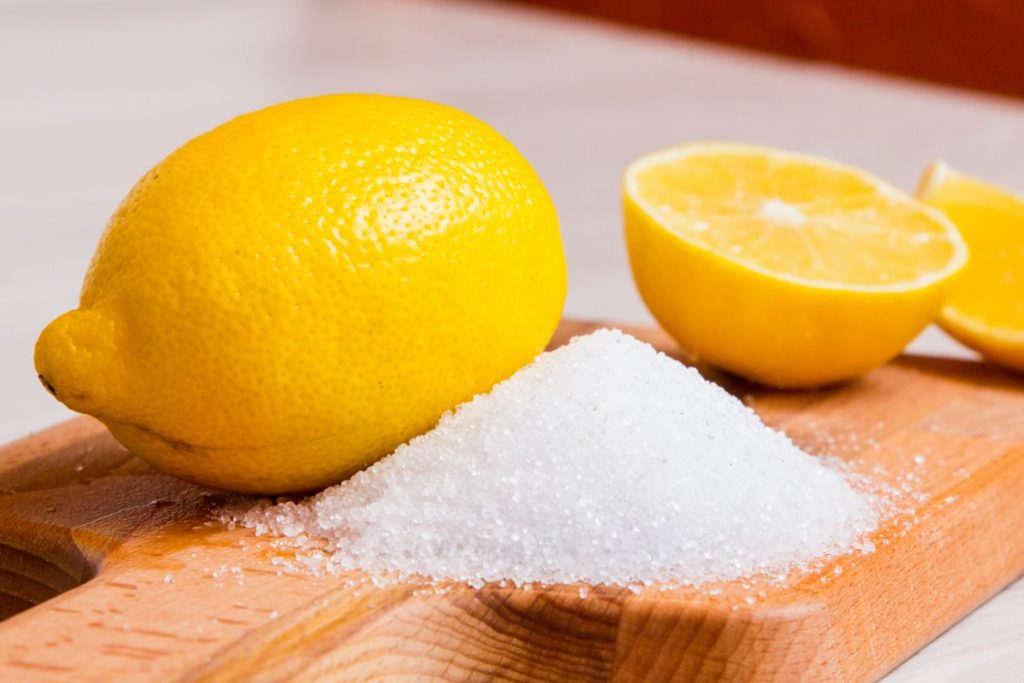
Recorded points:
95,92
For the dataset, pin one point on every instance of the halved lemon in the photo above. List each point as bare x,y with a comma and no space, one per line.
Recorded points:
787,269
985,309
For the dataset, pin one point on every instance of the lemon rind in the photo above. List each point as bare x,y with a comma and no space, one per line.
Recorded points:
937,173
967,322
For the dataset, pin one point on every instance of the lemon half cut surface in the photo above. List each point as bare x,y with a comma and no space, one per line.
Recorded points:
986,307
787,269
292,295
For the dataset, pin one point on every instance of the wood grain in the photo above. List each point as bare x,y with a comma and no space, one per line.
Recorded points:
131,582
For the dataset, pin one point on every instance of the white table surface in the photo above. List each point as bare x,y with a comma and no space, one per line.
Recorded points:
93,93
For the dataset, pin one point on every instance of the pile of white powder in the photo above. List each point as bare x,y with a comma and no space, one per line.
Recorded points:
605,462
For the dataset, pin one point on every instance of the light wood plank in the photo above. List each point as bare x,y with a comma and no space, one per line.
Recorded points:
165,595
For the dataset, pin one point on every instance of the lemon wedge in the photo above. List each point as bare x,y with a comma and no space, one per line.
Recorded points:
986,307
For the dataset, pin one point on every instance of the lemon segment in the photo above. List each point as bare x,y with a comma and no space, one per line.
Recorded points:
787,269
985,310
290,296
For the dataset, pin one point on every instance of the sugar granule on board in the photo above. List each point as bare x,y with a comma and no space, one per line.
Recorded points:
604,461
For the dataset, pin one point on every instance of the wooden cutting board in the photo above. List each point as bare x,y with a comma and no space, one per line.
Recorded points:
114,573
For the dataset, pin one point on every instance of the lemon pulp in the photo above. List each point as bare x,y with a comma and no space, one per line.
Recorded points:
985,309
784,268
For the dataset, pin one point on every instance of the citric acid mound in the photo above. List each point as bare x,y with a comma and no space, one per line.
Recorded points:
603,461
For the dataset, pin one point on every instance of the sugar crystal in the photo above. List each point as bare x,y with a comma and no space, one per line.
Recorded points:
602,462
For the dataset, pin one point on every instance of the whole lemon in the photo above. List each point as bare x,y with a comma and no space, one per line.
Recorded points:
290,296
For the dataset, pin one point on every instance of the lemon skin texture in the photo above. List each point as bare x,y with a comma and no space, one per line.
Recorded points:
772,331
290,296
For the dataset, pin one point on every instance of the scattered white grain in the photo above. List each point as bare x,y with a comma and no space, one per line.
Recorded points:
602,462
